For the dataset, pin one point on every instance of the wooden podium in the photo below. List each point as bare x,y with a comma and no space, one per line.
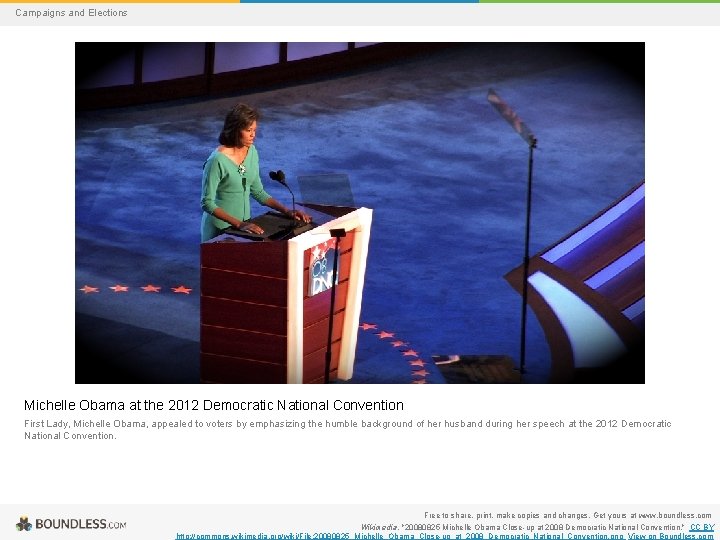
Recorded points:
263,320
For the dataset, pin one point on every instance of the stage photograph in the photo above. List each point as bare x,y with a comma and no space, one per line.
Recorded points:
360,213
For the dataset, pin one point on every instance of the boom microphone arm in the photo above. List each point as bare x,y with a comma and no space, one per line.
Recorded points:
279,176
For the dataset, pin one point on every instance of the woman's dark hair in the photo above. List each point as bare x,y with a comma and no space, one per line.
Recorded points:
240,117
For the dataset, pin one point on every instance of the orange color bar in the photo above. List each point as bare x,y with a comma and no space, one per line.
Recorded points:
101,2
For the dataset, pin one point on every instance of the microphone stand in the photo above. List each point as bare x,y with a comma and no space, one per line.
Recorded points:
279,176
336,234
523,130
526,258
291,195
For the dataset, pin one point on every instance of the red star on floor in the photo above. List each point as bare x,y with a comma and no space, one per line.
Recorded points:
368,326
88,289
417,362
181,289
410,353
150,288
119,288
398,343
384,334
421,373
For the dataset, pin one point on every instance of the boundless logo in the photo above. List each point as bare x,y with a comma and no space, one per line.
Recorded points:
24,524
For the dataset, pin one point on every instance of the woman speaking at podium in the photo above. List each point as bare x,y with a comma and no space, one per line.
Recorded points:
231,174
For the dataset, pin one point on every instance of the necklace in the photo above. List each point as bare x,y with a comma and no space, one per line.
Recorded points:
241,165
235,155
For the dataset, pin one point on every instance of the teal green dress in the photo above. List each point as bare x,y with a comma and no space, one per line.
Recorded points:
229,186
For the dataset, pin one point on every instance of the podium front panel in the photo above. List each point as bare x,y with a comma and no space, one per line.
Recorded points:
243,311
258,322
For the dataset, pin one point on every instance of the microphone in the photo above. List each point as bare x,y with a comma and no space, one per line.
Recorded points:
279,176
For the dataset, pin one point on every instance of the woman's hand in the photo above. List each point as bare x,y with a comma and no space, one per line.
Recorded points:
300,216
248,227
